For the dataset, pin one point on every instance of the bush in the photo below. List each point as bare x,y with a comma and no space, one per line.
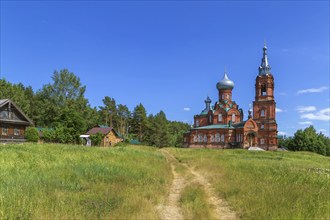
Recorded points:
96,139
48,135
31,134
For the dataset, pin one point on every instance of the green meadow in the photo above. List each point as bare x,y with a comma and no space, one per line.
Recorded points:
61,182
53,181
266,185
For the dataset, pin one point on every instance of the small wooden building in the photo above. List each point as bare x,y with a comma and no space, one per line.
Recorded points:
13,122
110,136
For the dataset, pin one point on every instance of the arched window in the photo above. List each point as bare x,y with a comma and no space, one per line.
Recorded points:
197,123
217,137
210,118
233,117
262,113
263,90
200,138
220,118
222,138
262,126
205,138
262,141
212,138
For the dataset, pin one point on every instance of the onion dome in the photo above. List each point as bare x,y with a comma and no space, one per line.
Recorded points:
207,106
225,83
208,100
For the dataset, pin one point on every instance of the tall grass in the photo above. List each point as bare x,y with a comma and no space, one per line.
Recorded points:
57,181
266,185
194,204
74,182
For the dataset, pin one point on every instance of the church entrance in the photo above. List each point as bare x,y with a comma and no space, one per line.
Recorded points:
250,138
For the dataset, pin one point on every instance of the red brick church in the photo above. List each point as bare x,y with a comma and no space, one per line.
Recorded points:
222,125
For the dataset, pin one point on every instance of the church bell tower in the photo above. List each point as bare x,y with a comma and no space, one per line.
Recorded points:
264,105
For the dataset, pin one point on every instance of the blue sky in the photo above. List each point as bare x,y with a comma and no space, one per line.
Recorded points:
170,55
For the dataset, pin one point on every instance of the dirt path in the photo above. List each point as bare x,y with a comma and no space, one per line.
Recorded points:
221,208
172,210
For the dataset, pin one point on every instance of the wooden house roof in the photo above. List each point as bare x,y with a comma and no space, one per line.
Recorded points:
102,130
16,117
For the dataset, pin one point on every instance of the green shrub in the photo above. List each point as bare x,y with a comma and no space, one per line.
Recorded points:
31,134
48,135
96,139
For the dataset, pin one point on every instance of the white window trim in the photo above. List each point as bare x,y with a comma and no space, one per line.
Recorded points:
220,118
222,138
262,141
3,131
262,113
18,133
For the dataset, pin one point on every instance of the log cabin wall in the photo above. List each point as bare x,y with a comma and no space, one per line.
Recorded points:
12,132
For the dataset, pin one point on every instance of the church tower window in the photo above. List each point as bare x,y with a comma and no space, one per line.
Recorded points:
197,123
233,117
262,113
210,118
263,90
220,117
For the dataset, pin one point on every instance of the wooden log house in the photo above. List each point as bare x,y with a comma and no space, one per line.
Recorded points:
13,122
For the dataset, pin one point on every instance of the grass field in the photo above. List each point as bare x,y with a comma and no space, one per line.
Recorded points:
266,185
60,181
57,181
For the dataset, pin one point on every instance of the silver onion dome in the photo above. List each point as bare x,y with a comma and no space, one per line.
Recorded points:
225,83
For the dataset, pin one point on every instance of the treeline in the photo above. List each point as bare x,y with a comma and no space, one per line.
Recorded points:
62,106
307,140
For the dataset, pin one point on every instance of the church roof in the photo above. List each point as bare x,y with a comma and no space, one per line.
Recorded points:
216,126
239,124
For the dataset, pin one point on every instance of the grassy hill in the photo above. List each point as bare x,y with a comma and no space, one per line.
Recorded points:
266,185
60,181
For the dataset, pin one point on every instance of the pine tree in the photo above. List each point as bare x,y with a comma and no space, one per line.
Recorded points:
139,122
